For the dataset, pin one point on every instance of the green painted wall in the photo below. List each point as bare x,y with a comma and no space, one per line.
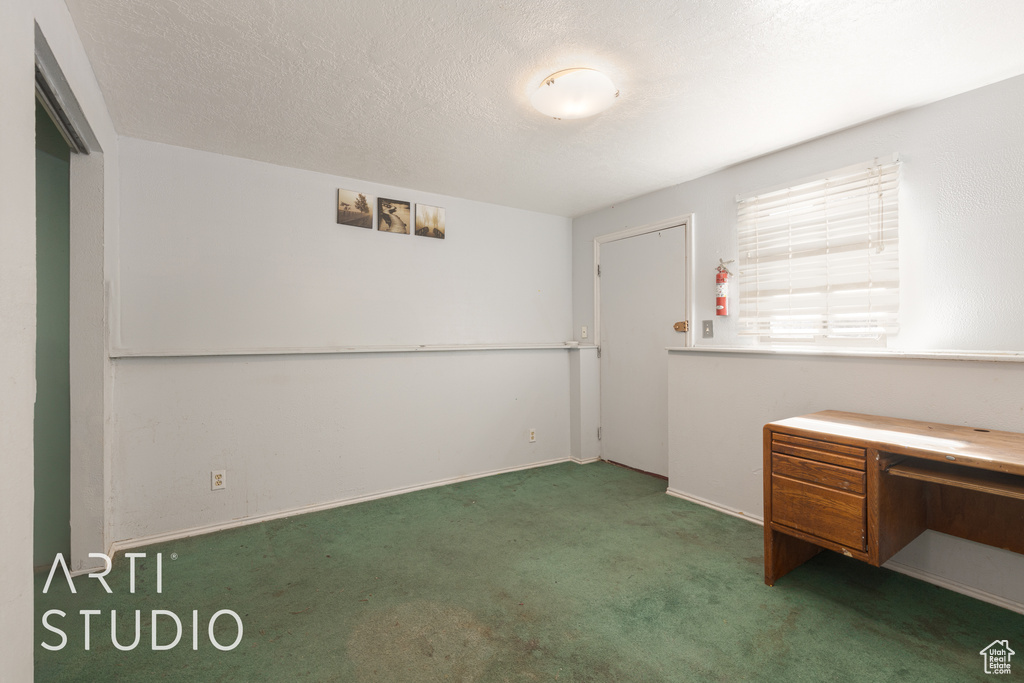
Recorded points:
53,393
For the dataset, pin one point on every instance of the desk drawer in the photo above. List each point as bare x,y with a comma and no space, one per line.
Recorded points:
842,478
822,451
824,512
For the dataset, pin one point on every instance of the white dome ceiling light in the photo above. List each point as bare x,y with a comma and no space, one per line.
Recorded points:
574,94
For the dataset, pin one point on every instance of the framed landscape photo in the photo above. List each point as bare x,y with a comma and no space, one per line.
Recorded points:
430,221
355,208
393,215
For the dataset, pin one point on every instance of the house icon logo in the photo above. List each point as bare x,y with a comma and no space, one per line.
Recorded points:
997,657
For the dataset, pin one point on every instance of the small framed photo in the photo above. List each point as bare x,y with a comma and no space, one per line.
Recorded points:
393,215
355,208
430,221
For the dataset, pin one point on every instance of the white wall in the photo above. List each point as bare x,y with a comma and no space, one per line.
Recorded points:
294,431
961,207
715,447
962,204
17,334
220,253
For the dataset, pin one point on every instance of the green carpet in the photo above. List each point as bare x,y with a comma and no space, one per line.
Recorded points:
563,573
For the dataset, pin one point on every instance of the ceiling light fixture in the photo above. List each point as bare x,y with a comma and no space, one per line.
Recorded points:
574,94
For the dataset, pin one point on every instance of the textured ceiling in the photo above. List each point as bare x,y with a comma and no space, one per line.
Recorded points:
434,94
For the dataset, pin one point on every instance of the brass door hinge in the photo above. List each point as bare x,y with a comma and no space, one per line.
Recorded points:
682,326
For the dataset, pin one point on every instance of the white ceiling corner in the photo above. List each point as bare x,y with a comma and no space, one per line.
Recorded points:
434,94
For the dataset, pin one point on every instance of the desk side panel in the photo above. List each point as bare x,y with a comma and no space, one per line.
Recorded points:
897,509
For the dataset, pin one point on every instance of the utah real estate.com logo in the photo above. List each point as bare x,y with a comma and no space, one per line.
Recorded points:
997,657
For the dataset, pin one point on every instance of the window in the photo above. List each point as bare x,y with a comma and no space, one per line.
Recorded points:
820,260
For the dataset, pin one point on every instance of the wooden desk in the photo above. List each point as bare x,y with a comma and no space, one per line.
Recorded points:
866,486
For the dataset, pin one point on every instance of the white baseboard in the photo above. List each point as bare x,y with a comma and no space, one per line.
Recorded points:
914,572
128,544
585,462
955,586
715,506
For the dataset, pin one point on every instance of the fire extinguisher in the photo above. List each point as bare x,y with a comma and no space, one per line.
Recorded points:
722,288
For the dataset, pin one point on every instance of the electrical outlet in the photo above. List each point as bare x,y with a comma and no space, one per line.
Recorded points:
584,335
218,480
533,436
709,329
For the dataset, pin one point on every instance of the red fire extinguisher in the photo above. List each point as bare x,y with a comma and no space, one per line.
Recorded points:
722,288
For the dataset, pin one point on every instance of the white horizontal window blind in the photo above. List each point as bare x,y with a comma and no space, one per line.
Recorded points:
821,259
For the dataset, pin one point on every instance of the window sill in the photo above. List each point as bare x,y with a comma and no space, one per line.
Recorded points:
987,356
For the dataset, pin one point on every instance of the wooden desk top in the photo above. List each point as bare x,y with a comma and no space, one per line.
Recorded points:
980,448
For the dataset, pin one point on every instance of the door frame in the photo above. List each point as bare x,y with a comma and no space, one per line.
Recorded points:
684,221
92,313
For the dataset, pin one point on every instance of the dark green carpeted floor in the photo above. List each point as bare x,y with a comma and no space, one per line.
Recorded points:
567,573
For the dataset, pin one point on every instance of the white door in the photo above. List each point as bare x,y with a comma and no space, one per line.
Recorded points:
641,285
